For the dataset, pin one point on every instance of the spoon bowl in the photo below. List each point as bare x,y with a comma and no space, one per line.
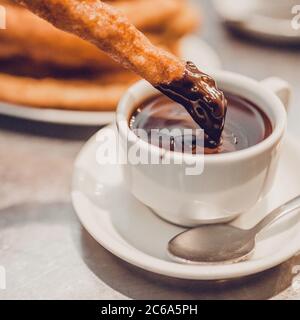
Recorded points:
218,244
223,243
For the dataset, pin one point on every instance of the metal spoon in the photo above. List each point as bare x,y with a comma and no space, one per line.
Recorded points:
222,243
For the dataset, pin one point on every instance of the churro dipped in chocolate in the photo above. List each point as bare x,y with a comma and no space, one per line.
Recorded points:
206,104
108,29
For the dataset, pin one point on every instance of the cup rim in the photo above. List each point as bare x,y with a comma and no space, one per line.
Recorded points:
250,84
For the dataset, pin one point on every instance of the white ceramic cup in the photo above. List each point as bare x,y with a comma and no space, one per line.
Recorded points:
230,183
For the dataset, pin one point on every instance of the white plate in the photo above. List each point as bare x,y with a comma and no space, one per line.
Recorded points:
192,48
131,231
268,20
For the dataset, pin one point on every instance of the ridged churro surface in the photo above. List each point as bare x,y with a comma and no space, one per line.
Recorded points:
110,30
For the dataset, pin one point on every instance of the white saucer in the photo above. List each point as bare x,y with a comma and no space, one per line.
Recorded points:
192,48
131,231
261,19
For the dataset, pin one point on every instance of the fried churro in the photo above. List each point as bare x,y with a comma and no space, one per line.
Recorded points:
38,85
101,94
32,49
38,40
111,31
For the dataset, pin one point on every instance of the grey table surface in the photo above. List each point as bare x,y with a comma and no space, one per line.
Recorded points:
44,249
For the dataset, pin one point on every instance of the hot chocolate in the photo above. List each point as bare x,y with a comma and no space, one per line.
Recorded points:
246,125
198,93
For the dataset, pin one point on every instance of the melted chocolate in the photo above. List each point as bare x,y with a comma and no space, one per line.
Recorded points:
246,125
206,104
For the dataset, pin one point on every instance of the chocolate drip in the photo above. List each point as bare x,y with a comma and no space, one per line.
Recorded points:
206,104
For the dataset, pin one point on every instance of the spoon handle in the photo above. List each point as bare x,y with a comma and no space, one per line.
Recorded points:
278,213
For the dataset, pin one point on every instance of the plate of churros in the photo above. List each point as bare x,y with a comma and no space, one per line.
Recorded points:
54,76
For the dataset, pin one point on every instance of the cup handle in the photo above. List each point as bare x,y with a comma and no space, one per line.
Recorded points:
281,88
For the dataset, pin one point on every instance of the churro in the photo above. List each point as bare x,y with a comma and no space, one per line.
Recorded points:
111,31
100,94
34,49
73,54
38,40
